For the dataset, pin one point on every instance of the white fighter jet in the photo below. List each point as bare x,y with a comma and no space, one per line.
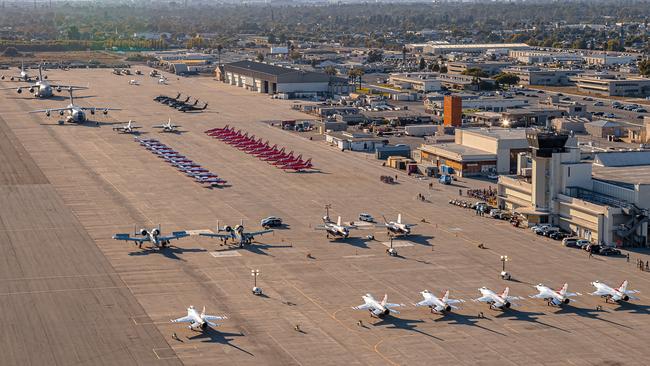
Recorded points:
554,297
198,321
335,229
168,127
502,301
438,305
397,227
616,294
236,234
377,309
76,114
153,236
127,128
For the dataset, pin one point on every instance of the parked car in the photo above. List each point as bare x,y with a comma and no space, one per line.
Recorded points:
593,248
366,217
599,104
582,243
539,227
570,242
557,235
549,230
271,221
609,251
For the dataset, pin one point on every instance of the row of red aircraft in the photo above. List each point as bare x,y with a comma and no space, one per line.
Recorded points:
263,150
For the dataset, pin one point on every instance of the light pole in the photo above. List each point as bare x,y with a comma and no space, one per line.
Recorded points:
504,274
255,273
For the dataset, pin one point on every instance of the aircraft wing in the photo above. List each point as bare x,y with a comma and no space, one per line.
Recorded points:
214,317
19,87
100,109
252,234
50,110
601,293
455,301
127,237
67,87
320,227
185,319
426,302
220,236
484,299
175,235
540,295
361,307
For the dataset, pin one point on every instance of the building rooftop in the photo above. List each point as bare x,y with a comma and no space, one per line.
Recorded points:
626,176
603,123
459,152
623,159
499,133
481,45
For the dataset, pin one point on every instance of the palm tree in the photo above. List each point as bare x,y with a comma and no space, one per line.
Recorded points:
219,48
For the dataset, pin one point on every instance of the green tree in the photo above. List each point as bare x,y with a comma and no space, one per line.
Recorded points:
219,49
375,56
73,32
476,72
443,69
614,45
644,67
423,64
330,70
506,78
355,74
259,57
579,43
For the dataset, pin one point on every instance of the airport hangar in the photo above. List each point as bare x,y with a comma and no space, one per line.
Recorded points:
266,78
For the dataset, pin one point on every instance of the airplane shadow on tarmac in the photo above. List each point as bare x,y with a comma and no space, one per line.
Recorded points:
469,320
587,313
170,252
355,242
527,316
405,324
212,336
254,248
418,239
633,308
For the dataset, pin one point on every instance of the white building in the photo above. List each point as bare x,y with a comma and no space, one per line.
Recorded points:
605,201
423,81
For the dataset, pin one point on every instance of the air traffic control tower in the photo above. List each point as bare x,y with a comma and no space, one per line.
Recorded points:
546,150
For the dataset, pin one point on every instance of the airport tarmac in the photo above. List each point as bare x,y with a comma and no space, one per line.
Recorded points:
69,188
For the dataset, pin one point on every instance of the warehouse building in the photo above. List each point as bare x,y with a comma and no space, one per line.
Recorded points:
474,48
478,151
267,78
419,81
542,76
610,85
605,201
491,68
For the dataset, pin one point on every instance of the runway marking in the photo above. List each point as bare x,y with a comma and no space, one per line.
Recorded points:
333,316
455,229
284,349
173,351
359,256
225,254
398,243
